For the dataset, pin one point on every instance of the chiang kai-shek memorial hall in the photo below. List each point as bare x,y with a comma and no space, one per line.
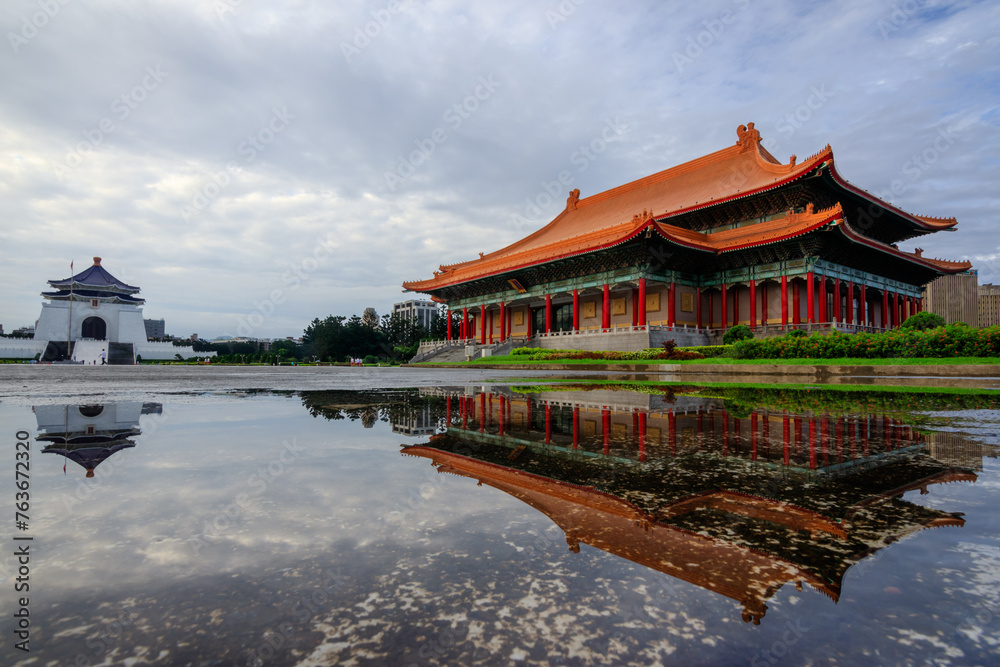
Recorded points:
734,237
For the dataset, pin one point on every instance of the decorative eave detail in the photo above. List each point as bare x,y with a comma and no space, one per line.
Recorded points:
936,265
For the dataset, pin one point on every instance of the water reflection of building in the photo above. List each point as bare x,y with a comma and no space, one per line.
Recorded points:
739,504
90,434
419,421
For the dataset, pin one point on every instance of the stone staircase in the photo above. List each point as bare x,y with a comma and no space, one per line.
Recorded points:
88,351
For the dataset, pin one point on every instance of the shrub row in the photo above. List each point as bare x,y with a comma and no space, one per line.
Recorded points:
950,341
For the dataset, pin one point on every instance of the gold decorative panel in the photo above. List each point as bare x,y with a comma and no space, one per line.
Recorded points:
653,302
518,318
589,309
618,306
687,303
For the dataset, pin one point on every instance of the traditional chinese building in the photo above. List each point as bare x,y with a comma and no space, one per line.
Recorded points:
731,237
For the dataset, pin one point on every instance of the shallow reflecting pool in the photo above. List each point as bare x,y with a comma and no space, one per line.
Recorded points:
563,524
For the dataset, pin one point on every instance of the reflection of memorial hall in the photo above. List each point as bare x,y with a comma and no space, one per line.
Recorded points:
739,504
89,434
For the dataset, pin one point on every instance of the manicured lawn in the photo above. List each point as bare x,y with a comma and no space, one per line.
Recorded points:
902,361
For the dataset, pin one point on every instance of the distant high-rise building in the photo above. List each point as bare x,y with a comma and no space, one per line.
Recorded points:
989,305
421,312
955,298
155,329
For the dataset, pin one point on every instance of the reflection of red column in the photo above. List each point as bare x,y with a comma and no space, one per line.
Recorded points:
642,302
642,436
784,300
502,413
576,427
447,410
482,412
785,437
863,435
672,432
753,303
725,433
548,423
606,310
812,444
767,434
606,429
489,410
753,436
464,409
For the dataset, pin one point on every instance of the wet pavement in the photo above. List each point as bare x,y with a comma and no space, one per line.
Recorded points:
473,522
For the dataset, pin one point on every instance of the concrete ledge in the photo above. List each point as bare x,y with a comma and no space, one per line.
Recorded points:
805,371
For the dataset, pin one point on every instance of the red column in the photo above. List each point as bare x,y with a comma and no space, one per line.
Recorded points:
822,317
642,302
448,313
482,324
810,298
725,315
606,429
606,311
576,310
503,321
784,301
465,323
530,320
697,305
548,313
796,305
753,303
671,304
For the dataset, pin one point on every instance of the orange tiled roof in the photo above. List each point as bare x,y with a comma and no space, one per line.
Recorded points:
612,217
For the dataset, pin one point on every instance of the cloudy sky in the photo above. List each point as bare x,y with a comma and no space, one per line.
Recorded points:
298,159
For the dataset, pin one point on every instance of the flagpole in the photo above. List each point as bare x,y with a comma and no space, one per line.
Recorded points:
69,327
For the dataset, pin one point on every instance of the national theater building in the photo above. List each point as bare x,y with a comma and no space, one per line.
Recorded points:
734,237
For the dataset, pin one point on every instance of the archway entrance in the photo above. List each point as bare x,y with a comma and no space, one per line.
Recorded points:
94,327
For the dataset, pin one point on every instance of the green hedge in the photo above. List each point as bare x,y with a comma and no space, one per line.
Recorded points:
710,351
949,341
